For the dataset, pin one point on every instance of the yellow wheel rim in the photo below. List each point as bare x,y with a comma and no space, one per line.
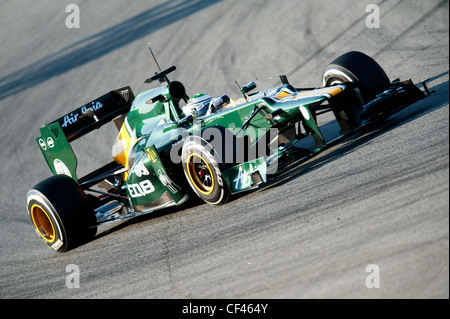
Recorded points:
200,174
43,223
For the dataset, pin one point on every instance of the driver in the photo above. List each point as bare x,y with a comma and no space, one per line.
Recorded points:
201,104
197,105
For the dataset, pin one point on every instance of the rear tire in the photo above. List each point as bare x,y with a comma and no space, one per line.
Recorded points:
61,213
358,68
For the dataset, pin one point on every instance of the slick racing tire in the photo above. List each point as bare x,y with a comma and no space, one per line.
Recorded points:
203,166
358,68
61,213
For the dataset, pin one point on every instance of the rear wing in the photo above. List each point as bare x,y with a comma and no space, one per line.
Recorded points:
56,136
96,113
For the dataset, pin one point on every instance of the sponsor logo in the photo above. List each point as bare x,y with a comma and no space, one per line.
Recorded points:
61,168
140,169
242,178
167,182
152,156
125,94
42,144
71,118
50,142
140,189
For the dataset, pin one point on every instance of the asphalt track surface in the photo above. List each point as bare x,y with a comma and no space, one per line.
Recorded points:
381,198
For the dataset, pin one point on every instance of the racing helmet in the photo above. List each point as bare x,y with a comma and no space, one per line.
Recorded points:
197,105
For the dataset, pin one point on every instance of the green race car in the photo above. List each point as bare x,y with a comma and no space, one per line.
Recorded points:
171,146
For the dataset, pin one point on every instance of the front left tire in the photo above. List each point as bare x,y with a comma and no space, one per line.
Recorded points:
202,168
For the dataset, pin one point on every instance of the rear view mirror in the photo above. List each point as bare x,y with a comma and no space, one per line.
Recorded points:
248,87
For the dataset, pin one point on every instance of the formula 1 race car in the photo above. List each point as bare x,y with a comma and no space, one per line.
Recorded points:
171,146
